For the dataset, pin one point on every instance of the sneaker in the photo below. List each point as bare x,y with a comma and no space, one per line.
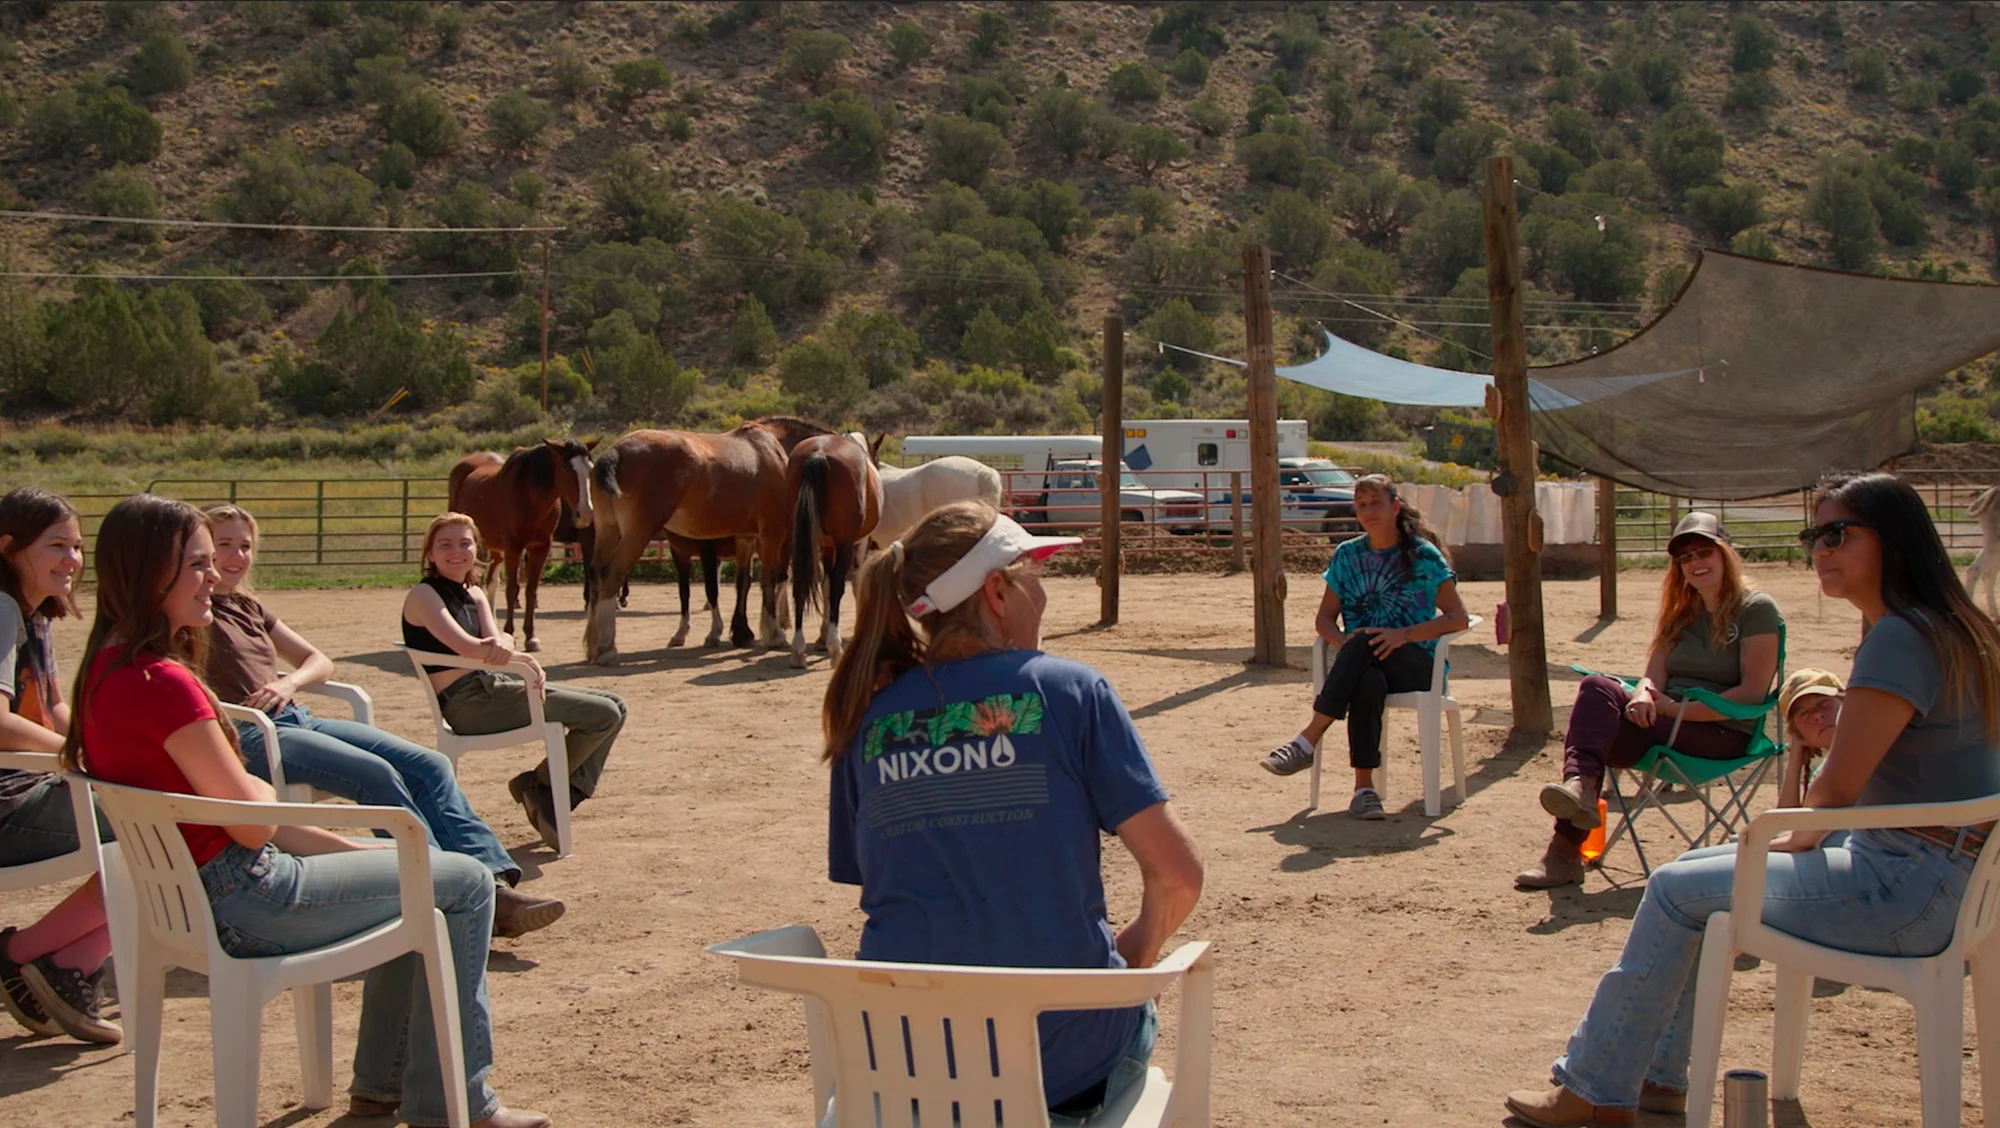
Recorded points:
73,999
1289,758
15,996
1367,805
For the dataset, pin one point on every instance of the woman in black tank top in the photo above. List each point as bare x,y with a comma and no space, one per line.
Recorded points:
448,614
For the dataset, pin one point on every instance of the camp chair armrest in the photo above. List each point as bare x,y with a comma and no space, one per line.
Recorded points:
1734,710
1586,671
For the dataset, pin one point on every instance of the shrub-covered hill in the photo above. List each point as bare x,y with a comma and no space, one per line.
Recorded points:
913,216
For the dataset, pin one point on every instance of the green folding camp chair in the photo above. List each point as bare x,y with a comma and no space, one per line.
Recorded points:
1661,765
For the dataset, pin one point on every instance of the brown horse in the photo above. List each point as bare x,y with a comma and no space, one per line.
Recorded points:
699,487
516,502
836,501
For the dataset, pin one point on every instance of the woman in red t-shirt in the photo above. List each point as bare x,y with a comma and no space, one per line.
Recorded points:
146,720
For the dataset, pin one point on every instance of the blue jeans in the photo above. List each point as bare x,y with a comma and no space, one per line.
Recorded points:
376,768
1876,892
42,824
270,903
1130,1070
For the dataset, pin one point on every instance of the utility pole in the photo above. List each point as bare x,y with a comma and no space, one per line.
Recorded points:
1527,645
1267,533
1110,459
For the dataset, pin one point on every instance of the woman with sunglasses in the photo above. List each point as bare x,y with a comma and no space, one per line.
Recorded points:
1810,704
973,777
1713,633
1918,725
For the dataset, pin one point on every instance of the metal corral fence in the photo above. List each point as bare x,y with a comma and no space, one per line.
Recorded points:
1770,526
364,523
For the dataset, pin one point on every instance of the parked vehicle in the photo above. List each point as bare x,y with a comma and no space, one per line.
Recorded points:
1198,454
1073,500
1317,496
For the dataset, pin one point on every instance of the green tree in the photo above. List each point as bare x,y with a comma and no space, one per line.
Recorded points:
1178,323
1059,121
812,56
162,65
1296,40
1722,210
1753,44
854,135
954,276
752,337
124,192
993,32
1448,239
396,166
572,73
1378,205
369,352
821,373
1840,205
884,347
1298,230
1136,82
421,119
1961,85
1867,69
987,340
1685,148
635,79
1564,59
1511,56
382,79
1461,148
963,150
1957,168
634,373
1407,55
1617,91
1274,157
763,253
1266,101
1573,130
1755,243
1057,211
1153,147
908,44
1190,67
639,201
516,119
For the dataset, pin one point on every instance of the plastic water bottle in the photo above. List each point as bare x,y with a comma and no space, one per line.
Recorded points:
1593,846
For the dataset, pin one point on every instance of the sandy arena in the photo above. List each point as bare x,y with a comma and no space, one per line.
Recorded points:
1368,973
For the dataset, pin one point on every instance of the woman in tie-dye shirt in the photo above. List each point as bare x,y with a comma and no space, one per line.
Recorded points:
1390,595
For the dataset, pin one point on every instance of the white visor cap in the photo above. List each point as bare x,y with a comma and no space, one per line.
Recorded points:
1003,544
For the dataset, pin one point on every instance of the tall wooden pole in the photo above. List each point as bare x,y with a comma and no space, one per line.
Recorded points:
1267,533
1527,647
1607,549
545,326
1111,560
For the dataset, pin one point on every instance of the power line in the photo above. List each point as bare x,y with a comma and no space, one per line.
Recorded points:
1385,317
254,277
68,217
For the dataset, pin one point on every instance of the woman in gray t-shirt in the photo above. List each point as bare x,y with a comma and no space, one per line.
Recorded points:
1918,725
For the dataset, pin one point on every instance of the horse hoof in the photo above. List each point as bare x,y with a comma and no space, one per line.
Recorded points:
819,647
677,640
713,641
534,645
606,658
798,661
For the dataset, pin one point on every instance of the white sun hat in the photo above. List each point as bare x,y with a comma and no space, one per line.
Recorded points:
1003,544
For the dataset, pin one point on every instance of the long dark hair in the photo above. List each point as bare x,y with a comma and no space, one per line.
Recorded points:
140,549
1920,584
25,514
1410,523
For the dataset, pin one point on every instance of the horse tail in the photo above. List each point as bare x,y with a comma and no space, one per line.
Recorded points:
605,470
1983,502
453,500
806,517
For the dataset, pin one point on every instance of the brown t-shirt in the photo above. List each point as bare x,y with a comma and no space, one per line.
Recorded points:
242,659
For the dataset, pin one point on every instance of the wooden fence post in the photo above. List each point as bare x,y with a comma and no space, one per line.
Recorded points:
1110,457
1267,531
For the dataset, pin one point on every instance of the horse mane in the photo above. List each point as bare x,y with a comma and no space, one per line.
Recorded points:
798,424
534,464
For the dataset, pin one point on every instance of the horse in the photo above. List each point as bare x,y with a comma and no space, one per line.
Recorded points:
516,502
836,503
1985,566
699,487
907,495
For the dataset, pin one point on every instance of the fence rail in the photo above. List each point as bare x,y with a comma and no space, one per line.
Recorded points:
360,523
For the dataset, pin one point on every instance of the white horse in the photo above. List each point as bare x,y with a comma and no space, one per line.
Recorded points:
1985,566
909,494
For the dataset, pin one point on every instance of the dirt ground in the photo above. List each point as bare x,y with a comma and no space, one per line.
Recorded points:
1367,972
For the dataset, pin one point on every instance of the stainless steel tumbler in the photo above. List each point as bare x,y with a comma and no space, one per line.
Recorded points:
1746,1099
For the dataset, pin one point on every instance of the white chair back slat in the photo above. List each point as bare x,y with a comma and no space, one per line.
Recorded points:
1980,907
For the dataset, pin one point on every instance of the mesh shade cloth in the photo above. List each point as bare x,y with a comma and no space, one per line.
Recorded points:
1767,376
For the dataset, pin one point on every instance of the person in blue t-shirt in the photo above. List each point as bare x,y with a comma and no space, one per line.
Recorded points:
1396,595
972,776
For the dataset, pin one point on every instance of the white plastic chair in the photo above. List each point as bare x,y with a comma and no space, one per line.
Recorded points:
357,699
912,1043
178,930
538,728
1934,984
78,865
1434,708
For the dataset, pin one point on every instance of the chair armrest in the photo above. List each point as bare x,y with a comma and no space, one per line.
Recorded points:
1734,710
413,849
269,731
1188,1107
355,698
461,662
1753,846
50,763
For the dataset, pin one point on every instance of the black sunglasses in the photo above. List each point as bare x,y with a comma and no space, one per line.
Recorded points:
1833,534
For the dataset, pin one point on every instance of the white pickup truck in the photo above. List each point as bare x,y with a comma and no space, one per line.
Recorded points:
1072,500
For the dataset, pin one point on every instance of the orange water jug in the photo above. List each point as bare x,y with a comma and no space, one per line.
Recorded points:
1593,846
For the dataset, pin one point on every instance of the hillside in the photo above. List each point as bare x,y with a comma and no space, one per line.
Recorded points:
914,216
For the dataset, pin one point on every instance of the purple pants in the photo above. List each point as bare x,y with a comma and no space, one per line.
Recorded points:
1601,737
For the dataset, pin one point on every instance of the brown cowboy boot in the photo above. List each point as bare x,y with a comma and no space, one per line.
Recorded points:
1574,799
1560,1108
1561,864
